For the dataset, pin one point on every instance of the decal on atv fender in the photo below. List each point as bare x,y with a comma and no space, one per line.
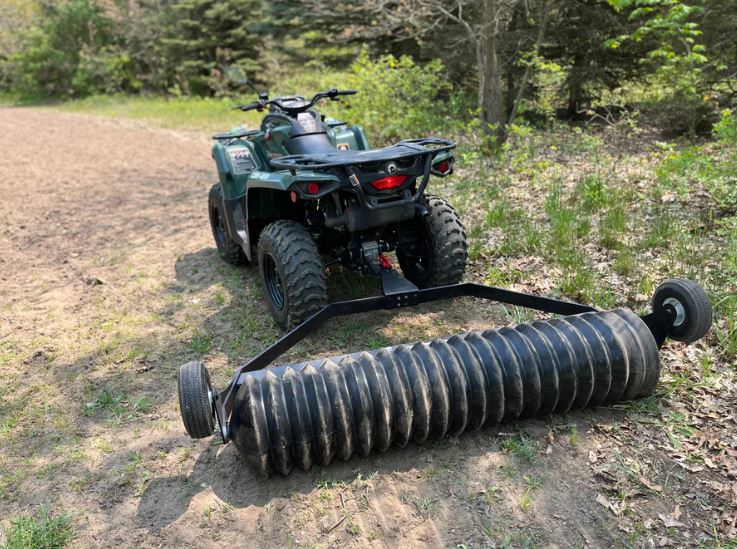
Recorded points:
240,158
262,176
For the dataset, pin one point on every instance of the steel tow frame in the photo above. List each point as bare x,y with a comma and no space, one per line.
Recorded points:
398,293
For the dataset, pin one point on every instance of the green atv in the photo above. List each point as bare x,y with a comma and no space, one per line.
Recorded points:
304,192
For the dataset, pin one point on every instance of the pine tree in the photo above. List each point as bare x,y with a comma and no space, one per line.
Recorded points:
205,37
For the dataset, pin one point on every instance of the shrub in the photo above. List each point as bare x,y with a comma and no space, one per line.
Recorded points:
726,129
399,98
58,57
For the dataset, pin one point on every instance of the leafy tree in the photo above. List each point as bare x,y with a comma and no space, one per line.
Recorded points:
71,51
675,55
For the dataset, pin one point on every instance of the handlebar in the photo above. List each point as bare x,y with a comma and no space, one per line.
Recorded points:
279,102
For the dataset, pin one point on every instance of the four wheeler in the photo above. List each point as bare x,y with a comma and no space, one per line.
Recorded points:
304,192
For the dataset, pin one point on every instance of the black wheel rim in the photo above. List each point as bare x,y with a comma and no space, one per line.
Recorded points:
218,226
273,282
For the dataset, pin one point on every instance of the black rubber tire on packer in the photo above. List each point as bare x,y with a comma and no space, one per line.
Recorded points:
692,307
195,399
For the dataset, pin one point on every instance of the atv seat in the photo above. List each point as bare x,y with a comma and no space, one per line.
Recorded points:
309,143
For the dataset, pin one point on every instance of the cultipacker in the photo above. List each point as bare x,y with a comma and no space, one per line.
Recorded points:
299,415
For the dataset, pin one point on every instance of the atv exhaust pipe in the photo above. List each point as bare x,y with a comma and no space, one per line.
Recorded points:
306,414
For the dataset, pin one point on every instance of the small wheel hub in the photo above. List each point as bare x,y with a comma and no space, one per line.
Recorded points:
678,308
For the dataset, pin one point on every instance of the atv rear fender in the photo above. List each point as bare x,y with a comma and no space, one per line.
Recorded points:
343,136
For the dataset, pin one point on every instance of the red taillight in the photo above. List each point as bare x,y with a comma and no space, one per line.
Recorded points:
389,182
313,188
443,166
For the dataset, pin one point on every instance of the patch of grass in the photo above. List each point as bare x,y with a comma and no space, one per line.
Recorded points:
613,226
726,326
353,528
592,191
679,428
117,405
521,234
662,231
523,446
491,495
141,405
10,481
505,537
624,262
518,315
219,298
326,484
503,277
108,399
42,531
351,330
202,113
582,284
531,484
201,344
424,506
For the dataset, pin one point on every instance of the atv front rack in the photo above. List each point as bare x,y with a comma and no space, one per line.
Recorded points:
398,292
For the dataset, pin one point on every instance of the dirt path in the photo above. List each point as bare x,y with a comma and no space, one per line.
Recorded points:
109,281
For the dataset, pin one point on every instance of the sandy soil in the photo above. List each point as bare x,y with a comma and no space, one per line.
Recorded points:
110,280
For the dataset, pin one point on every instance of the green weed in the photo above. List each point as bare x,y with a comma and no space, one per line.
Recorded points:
42,531
624,262
108,399
662,230
592,191
201,344
531,484
522,446
726,328
613,226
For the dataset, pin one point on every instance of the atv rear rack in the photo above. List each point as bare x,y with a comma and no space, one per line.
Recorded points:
424,150
409,148
398,292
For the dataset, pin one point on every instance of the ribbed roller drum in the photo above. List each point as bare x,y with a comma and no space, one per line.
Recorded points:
306,414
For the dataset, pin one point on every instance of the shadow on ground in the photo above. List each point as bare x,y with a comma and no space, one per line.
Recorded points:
220,468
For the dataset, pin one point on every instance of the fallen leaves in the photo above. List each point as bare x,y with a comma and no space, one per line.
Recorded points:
604,502
670,522
649,485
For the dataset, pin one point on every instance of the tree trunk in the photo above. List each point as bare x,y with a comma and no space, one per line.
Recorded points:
492,98
542,23
575,89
